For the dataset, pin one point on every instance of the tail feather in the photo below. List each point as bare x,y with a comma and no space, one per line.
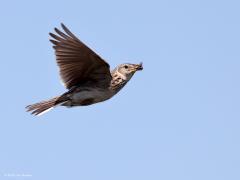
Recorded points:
43,106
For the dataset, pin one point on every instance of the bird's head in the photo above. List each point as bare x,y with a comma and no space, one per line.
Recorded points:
128,70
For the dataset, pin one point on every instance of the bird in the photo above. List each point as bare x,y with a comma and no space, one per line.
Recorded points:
86,76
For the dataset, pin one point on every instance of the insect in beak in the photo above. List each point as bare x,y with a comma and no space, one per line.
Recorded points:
139,67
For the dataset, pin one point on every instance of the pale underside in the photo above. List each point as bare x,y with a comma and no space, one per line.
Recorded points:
88,97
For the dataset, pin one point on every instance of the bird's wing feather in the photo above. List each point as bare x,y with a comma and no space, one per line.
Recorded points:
78,64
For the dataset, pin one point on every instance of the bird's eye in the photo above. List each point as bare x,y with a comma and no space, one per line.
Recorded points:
125,66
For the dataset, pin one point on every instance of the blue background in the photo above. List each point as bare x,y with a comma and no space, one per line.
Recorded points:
177,119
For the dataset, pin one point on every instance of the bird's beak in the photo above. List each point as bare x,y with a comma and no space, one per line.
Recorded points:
138,67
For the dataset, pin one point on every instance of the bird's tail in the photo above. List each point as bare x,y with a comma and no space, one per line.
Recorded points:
43,106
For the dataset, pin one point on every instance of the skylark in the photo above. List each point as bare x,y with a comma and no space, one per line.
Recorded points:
84,73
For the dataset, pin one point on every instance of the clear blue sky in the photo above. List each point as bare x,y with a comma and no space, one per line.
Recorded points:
179,119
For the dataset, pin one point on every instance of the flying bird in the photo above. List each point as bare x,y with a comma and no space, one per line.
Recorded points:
84,73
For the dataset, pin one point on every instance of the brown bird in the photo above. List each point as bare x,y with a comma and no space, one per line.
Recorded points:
84,73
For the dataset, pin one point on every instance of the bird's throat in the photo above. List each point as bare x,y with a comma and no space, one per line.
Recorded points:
118,82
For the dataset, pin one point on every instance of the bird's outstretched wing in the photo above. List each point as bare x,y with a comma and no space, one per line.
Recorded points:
78,64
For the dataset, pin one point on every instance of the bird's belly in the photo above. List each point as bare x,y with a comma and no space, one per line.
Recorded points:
87,97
